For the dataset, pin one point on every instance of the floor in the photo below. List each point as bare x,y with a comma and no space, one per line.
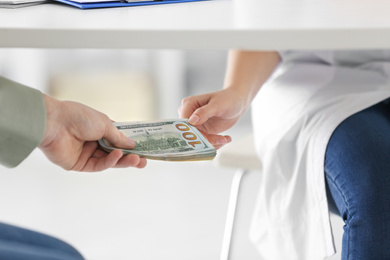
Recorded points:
168,210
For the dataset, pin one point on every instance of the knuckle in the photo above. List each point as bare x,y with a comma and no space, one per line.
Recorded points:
187,100
200,111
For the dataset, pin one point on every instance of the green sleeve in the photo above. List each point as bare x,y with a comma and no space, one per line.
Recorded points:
22,121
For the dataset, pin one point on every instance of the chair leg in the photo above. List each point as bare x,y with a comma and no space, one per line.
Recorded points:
227,236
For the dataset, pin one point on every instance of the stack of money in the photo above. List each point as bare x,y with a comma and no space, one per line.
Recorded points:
169,140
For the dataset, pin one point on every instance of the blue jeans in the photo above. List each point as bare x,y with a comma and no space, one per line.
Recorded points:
22,244
357,170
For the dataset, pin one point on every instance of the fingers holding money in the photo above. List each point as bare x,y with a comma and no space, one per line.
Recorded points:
197,109
218,140
131,160
117,138
92,159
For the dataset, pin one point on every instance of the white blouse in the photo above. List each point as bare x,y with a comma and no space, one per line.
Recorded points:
294,115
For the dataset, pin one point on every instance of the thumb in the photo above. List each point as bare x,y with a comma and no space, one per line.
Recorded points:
202,114
117,138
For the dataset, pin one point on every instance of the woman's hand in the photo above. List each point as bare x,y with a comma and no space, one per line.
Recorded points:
213,113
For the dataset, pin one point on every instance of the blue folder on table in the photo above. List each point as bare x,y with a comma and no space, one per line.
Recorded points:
109,3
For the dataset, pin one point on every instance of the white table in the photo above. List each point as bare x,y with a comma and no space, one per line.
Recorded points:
215,24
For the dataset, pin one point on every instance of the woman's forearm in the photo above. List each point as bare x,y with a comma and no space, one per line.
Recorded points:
247,71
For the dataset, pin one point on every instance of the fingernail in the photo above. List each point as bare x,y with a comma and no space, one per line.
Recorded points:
193,119
221,141
228,138
131,141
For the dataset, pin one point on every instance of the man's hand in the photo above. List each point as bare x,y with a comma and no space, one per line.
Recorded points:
71,135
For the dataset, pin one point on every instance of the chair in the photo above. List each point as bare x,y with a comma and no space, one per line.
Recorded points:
240,155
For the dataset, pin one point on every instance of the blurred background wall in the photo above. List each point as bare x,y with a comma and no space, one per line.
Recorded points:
126,84
167,211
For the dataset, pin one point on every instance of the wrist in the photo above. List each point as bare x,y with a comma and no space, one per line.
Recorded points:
243,93
237,99
52,114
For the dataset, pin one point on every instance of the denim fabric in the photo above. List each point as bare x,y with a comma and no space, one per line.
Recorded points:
21,244
357,169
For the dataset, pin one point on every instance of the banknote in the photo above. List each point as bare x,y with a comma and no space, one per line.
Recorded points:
170,140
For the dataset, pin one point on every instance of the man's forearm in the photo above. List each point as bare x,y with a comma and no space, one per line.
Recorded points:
22,121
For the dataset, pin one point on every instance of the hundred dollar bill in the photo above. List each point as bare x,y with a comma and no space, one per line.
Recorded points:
170,140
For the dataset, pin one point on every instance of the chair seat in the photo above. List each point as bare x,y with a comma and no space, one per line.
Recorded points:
239,154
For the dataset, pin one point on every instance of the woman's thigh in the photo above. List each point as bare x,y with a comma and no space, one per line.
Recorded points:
357,168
